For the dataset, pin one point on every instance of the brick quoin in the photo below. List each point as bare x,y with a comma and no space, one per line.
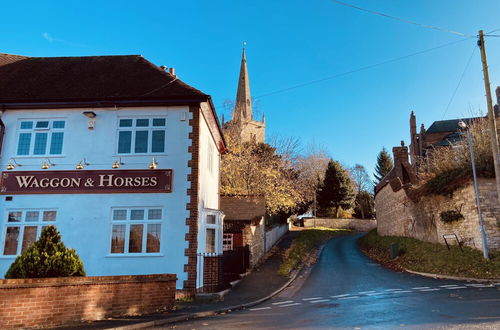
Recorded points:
192,206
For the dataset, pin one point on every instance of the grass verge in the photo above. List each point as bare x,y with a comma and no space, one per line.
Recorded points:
306,241
430,257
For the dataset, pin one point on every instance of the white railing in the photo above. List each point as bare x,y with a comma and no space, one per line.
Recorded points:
274,235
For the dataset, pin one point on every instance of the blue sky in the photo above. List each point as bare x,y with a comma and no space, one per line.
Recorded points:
289,43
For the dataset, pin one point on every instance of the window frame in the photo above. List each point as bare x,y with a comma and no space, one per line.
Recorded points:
225,238
50,130
128,222
217,226
39,224
134,128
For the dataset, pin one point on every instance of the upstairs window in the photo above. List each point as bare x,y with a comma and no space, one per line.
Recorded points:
141,135
23,227
40,137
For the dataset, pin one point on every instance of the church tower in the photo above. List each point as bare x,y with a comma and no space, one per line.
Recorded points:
242,122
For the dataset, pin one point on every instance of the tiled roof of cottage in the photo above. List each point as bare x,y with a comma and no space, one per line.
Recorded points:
88,78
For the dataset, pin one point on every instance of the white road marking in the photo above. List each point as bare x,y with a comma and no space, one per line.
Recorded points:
365,292
352,297
307,299
457,287
318,301
420,287
425,290
402,291
376,293
447,286
294,304
283,302
470,284
340,295
259,309
393,289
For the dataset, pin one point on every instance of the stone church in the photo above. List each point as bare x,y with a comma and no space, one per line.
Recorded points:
242,122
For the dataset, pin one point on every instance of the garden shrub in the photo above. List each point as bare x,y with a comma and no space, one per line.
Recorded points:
47,257
450,216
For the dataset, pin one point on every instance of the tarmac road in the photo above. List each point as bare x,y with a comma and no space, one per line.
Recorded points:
346,290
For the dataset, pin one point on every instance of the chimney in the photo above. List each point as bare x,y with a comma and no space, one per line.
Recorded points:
172,71
400,154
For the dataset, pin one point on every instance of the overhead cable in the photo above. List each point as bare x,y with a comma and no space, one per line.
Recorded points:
459,81
402,19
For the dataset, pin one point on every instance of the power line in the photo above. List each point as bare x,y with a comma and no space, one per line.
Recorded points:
402,19
459,81
360,69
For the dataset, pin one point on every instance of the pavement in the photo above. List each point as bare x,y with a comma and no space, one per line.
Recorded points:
262,283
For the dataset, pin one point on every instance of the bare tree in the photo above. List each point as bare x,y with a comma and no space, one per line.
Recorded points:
362,181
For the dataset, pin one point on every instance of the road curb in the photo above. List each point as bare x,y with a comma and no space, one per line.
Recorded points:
449,277
186,317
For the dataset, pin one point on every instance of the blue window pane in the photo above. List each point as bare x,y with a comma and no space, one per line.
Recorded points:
23,148
58,124
125,122
56,143
40,144
26,125
42,124
124,142
158,141
142,122
141,141
159,122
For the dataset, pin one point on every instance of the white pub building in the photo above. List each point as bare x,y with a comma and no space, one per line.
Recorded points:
120,155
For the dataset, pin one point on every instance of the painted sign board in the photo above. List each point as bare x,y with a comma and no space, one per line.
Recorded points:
86,182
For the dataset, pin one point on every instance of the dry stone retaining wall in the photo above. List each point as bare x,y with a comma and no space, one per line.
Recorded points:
398,215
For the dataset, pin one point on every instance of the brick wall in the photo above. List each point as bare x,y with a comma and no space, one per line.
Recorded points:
398,215
48,302
213,274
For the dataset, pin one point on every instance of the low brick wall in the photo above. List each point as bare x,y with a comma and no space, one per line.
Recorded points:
355,224
47,302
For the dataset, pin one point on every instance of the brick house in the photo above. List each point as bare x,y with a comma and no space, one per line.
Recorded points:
120,155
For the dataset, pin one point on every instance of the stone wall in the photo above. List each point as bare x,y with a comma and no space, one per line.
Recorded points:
253,236
355,224
273,235
398,215
48,302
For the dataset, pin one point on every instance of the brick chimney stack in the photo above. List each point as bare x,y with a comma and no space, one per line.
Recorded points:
400,154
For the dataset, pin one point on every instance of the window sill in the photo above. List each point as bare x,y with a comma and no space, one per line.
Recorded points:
141,155
9,256
134,255
37,156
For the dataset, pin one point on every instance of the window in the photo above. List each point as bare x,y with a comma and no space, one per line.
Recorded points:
141,136
23,227
212,232
136,230
40,138
227,242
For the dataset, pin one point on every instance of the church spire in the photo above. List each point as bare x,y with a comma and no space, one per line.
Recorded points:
243,107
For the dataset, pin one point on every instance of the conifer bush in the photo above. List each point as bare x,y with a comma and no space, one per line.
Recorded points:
47,257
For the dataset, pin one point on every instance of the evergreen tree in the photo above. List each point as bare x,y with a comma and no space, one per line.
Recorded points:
384,165
337,189
47,257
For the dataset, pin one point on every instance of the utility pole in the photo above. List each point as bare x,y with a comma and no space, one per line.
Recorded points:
491,114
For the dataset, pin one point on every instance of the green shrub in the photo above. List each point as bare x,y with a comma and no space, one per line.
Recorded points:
47,257
450,216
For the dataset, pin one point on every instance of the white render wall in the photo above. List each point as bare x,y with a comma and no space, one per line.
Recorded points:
84,220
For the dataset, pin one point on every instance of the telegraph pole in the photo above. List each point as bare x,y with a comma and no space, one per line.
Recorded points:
491,115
